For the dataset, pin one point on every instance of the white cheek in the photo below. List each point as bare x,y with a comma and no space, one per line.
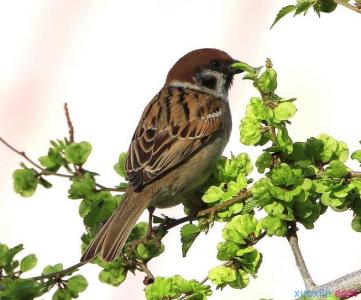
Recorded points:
220,90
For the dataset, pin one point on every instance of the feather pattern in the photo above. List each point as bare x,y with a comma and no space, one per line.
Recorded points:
175,124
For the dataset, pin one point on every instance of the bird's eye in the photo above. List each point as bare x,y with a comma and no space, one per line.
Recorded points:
209,82
215,63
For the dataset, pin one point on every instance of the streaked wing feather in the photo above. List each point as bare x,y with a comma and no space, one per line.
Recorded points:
175,124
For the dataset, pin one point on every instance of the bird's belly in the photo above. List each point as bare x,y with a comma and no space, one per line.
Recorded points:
187,176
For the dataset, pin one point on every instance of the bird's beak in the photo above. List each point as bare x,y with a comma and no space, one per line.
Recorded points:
234,67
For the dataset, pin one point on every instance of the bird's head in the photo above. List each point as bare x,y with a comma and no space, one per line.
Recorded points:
209,70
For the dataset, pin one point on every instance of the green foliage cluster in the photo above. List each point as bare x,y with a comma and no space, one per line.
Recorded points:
301,181
302,6
14,287
175,287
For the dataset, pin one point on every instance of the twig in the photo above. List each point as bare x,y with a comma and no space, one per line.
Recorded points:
46,172
355,174
348,5
208,211
204,280
145,269
293,241
59,274
21,153
239,198
344,287
69,122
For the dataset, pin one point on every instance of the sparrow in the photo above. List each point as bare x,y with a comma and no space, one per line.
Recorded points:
180,137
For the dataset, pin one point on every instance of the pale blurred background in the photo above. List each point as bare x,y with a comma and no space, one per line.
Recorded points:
107,59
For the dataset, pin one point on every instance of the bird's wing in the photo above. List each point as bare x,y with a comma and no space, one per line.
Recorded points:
175,124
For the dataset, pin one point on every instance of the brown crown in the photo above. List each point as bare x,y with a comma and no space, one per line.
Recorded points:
188,65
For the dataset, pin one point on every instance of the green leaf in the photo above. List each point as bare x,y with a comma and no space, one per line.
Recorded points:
356,155
240,229
267,82
149,250
329,199
21,289
242,280
53,161
213,194
85,207
174,287
260,191
83,187
28,263
256,109
4,251
356,223
284,141
250,259
284,111
342,152
244,67
314,147
357,183
250,130
281,194
189,233
307,213
327,6
101,209
303,5
222,274
62,294
120,165
77,284
227,250
274,226
78,153
283,12
284,175
112,276
263,162
52,269
336,169
25,182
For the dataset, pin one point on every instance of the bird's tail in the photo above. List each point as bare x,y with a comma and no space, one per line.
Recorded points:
112,236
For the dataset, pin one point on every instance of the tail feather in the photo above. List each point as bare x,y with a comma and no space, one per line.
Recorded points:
112,236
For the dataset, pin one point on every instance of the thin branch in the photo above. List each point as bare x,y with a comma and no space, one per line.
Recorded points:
208,211
293,241
21,153
348,5
344,287
355,174
46,172
144,268
212,210
69,122
59,274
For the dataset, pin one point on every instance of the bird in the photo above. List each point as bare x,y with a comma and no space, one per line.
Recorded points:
180,137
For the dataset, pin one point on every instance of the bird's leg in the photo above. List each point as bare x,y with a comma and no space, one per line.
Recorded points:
150,230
